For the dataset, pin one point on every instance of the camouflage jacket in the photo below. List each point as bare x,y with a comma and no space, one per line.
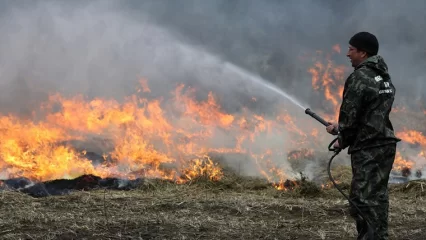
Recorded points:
368,96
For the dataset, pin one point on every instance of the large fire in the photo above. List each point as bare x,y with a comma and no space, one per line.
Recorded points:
138,137
170,139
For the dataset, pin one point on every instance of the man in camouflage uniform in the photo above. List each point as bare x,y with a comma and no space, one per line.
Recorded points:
365,128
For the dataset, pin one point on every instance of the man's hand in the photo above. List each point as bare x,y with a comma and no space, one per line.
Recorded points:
332,128
336,144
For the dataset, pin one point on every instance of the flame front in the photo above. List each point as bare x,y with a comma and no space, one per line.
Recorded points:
413,137
138,138
33,150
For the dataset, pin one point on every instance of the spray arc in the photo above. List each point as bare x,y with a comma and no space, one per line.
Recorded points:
336,152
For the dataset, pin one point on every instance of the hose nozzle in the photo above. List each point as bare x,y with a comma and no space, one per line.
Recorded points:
318,118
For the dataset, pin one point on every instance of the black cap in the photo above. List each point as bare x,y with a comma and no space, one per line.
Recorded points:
365,41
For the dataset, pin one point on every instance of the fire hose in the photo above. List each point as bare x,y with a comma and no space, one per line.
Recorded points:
336,152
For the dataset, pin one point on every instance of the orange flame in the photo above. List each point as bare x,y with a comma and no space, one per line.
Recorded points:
144,86
398,109
336,48
401,163
413,137
200,168
329,79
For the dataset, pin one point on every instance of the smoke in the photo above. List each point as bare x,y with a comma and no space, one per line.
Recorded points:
102,48
247,31
98,50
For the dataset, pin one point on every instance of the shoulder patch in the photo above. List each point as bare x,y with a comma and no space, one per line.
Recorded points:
378,78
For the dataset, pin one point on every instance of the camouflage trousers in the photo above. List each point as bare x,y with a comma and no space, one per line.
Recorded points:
369,189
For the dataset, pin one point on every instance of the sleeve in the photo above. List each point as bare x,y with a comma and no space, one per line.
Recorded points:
352,104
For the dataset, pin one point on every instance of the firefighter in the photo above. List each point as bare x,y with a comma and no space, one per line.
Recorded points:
365,128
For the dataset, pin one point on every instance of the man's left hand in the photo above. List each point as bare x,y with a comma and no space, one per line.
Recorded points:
332,128
336,144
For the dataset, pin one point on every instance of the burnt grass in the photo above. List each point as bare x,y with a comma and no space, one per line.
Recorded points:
233,208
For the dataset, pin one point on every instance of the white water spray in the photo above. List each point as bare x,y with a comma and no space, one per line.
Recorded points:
260,81
186,61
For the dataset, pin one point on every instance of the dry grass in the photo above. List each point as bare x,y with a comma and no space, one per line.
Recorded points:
234,208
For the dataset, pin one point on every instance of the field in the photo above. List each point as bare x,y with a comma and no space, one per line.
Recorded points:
233,208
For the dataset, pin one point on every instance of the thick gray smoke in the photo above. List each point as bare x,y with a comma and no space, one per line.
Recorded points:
102,48
245,31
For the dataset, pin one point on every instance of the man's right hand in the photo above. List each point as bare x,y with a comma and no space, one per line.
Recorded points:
333,128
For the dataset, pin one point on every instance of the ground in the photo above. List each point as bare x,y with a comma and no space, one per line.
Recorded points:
238,208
